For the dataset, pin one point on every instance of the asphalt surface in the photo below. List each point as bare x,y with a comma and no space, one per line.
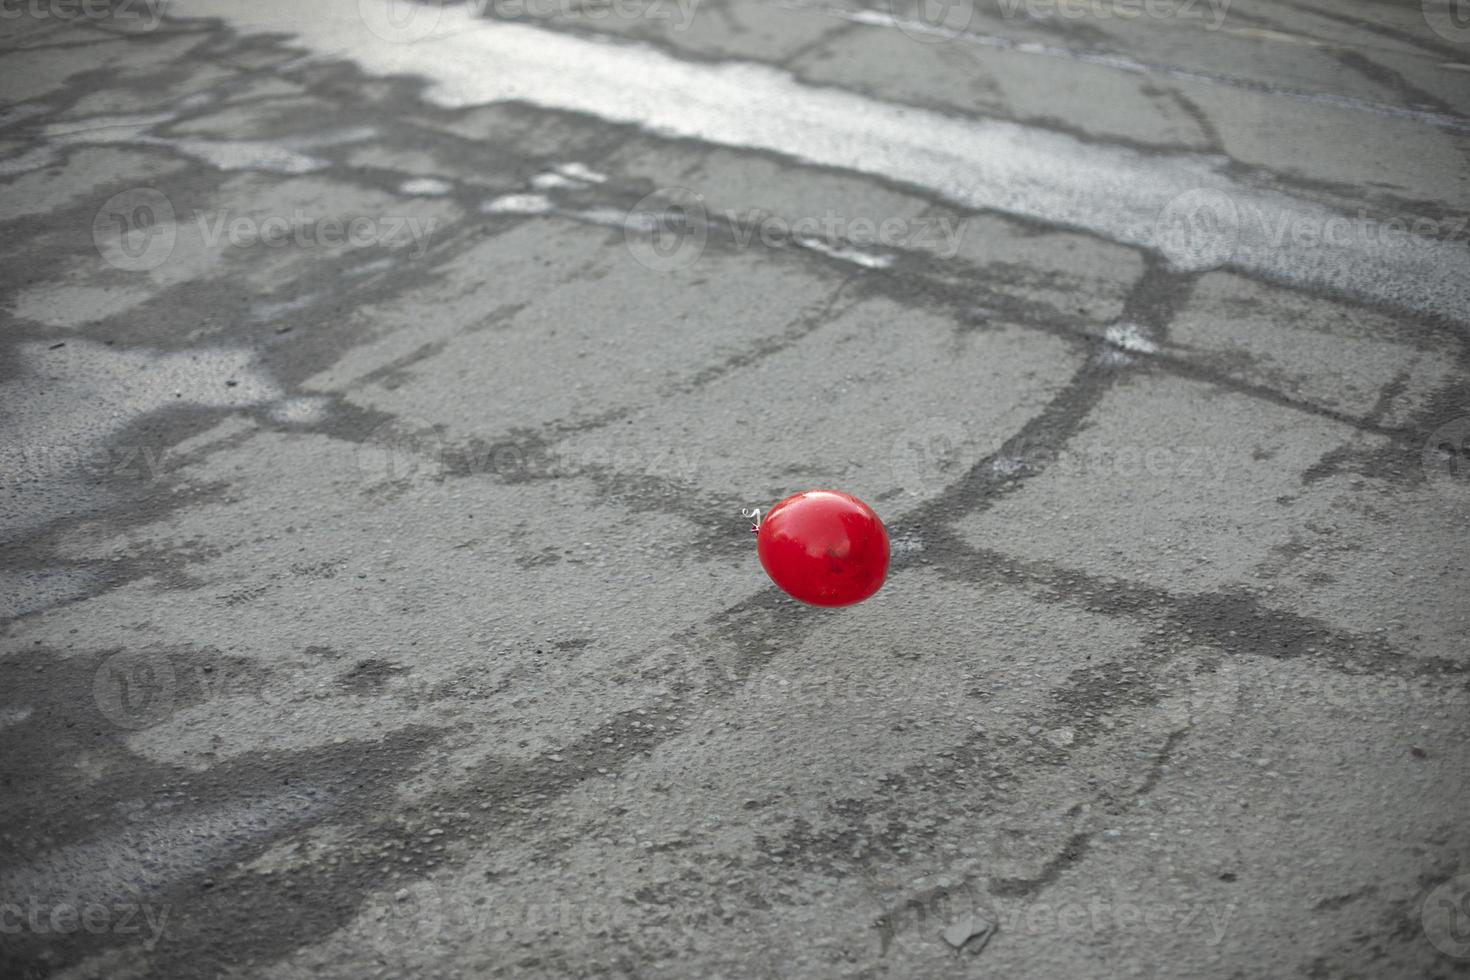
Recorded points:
382,386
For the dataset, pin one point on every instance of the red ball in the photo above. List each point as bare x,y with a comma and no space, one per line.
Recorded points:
824,547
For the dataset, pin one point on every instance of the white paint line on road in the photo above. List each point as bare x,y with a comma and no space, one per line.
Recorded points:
845,253
1184,206
519,204
1132,66
425,186
580,171
551,181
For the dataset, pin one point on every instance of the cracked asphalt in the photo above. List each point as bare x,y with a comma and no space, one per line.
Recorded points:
382,384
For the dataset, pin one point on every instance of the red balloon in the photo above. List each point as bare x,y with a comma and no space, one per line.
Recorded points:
824,547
